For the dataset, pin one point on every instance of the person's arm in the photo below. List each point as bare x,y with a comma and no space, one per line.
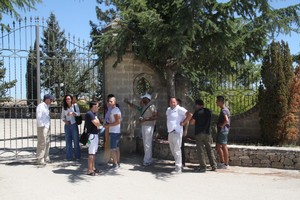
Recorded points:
96,122
117,120
226,121
193,121
188,117
208,120
131,104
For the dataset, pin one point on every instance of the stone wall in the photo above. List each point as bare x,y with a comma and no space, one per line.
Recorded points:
246,156
120,82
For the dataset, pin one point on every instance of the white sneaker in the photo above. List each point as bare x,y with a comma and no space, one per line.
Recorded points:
176,171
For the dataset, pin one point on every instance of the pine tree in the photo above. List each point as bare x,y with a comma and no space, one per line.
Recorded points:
274,94
188,36
5,85
31,79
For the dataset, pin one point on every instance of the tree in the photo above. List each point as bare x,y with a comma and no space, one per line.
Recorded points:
188,36
31,76
63,71
10,7
291,120
4,85
275,92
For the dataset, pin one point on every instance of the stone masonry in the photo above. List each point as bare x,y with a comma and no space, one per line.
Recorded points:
245,156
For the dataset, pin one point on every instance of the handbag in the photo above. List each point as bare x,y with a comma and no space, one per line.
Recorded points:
84,137
78,119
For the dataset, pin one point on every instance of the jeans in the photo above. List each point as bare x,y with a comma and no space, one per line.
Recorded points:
203,141
147,133
72,135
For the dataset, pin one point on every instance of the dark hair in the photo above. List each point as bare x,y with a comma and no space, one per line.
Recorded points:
179,101
172,97
199,102
65,105
109,96
92,103
221,98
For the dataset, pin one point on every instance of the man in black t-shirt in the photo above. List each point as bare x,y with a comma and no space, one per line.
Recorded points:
91,124
202,119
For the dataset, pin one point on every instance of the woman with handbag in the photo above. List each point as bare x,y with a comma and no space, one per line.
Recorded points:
68,114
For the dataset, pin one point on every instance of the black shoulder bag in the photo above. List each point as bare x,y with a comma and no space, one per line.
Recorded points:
78,119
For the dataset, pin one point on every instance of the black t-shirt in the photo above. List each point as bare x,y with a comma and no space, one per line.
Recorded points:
202,117
89,117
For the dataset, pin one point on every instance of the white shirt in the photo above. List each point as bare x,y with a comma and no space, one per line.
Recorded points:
174,117
64,113
43,115
117,128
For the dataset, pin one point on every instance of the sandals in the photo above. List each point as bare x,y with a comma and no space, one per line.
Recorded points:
92,174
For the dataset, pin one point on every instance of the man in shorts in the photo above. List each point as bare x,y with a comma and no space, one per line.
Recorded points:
92,123
223,130
114,126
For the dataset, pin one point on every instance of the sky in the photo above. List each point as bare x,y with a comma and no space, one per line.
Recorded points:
73,16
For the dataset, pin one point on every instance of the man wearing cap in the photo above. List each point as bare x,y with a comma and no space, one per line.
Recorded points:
43,129
202,119
147,119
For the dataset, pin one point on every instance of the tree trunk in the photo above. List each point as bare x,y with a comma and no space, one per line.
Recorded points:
171,81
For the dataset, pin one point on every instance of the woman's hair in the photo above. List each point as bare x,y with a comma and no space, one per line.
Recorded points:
65,105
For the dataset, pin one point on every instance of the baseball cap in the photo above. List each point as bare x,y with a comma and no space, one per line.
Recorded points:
48,96
148,96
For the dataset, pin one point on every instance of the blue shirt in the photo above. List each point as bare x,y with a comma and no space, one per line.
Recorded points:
224,111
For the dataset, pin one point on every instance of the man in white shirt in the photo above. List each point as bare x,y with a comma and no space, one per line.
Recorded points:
43,129
147,119
177,117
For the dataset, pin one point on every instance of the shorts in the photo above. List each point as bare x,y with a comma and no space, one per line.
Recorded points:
93,143
114,140
222,137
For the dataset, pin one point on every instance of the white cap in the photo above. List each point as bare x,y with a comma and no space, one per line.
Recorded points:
148,96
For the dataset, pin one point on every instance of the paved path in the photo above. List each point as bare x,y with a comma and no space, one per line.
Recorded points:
63,180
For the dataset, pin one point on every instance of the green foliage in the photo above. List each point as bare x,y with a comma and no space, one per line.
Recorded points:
62,71
4,85
11,6
31,75
189,36
274,94
83,106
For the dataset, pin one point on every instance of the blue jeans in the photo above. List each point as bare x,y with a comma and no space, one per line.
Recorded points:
72,135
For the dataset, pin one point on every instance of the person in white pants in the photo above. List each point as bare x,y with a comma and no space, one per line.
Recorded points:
147,119
177,117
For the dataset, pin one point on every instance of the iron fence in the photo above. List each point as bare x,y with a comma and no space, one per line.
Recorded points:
38,69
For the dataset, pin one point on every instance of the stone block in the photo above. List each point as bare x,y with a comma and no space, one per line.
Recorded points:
288,162
256,165
262,156
296,160
297,166
278,165
274,158
235,163
256,161
265,162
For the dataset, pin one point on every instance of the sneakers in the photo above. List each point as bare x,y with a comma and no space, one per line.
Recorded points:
115,167
201,170
177,171
146,164
222,166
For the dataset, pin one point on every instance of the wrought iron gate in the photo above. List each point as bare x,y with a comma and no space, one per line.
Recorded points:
38,69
